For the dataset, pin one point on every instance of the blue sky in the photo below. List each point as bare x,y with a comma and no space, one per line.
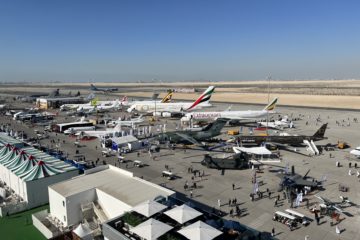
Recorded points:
178,40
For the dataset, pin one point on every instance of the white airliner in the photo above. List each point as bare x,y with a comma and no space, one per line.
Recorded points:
233,115
202,101
104,106
128,123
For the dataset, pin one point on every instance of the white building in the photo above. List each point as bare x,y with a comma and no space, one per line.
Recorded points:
97,196
25,174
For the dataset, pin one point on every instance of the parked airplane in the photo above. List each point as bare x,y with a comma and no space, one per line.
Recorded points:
194,136
128,123
96,89
293,180
333,205
33,97
283,123
105,106
291,140
233,115
152,106
166,99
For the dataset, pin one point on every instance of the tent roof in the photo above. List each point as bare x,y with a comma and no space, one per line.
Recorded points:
124,139
82,230
183,213
200,231
253,150
40,170
151,229
149,208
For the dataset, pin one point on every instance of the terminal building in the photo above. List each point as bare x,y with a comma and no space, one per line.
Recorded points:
56,102
98,195
25,174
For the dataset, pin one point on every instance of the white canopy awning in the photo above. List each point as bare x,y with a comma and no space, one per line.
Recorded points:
151,229
149,208
200,231
183,213
253,150
83,231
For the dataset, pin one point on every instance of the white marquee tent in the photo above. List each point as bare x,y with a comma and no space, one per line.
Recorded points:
200,231
183,213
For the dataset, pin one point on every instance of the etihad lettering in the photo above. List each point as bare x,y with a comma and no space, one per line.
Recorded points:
206,115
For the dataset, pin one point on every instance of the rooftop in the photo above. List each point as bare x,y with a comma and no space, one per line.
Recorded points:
116,182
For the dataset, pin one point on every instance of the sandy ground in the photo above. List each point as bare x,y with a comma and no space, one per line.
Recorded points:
340,94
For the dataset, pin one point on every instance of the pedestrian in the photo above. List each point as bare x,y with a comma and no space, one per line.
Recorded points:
191,194
219,203
233,186
269,195
278,197
337,230
355,165
349,164
273,232
229,202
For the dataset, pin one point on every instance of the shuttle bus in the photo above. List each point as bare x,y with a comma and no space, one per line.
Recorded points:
64,126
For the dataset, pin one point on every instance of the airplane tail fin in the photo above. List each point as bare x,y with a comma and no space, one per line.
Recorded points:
228,109
215,127
124,99
92,87
271,106
91,96
167,97
203,97
321,131
94,101
154,96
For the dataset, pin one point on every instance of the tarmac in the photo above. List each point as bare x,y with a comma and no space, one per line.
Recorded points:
214,186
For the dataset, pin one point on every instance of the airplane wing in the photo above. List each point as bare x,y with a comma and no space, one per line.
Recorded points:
303,182
338,208
188,138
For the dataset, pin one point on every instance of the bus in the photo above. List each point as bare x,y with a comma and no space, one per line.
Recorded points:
61,127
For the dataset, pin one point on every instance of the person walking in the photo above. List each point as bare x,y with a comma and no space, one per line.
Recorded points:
273,232
337,230
219,203
233,186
